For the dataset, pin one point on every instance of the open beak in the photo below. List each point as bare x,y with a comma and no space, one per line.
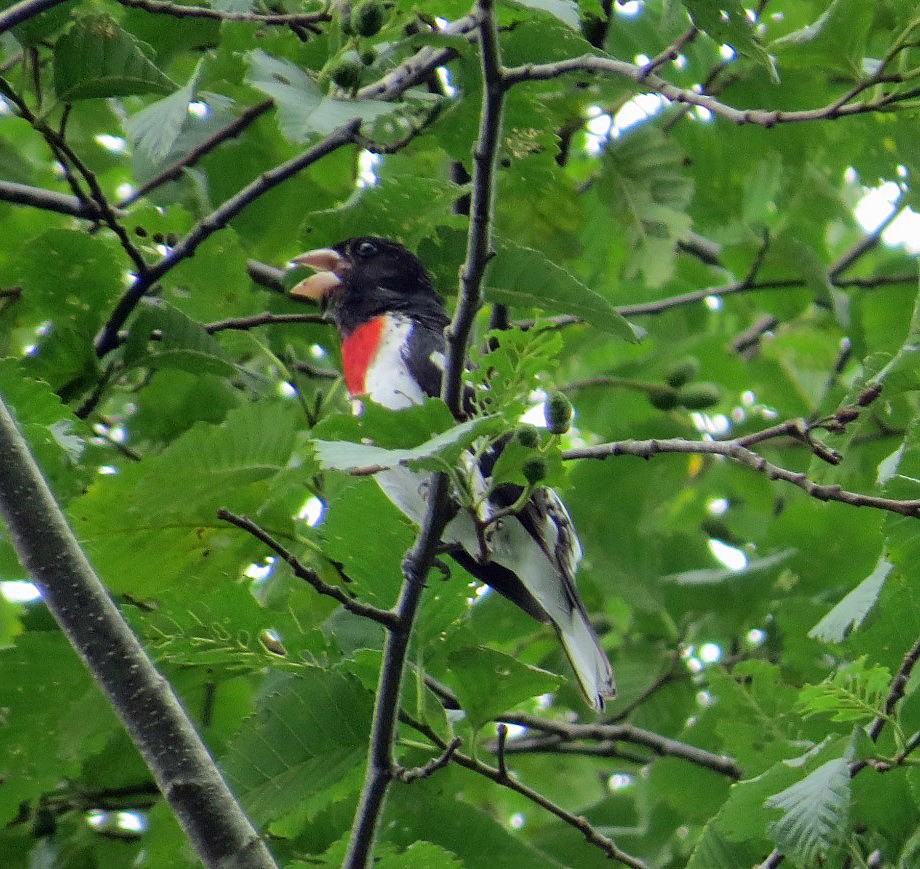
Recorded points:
330,268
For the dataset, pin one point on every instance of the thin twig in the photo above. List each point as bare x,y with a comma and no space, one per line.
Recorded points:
380,763
267,318
420,66
863,246
387,618
670,53
420,558
415,773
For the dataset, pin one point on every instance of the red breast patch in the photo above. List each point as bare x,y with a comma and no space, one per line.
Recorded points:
358,352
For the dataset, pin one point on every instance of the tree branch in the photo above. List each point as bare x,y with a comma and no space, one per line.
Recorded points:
591,834
479,239
418,562
143,699
735,450
217,219
761,117
49,200
384,617
381,767
609,734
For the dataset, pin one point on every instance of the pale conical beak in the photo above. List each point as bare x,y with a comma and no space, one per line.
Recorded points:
330,268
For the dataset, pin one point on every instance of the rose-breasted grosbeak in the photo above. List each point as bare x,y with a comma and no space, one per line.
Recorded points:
392,322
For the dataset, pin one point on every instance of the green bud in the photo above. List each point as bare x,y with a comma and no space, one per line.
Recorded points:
663,397
699,396
346,73
558,413
527,435
682,371
534,470
367,18
368,56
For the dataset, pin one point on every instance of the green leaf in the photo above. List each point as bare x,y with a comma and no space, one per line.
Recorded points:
303,109
444,447
855,692
155,523
852,610
728,23
42,680
565,10
815,810
835,41
392,429
96,58
404,208
488,682
156,128
643,182
302,749
183,344
525,278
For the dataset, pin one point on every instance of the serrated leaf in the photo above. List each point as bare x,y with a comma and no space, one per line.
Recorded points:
302,749
488,682
815,811
392,429
155,523
644,183
156,128
183,343
852,610
96,58
42,677
565,10
523,277
303,108
446,446
853,693
404,208
835,40
728,23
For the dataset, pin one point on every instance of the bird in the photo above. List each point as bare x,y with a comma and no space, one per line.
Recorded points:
391,321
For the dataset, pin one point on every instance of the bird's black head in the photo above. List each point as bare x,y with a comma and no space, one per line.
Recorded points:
362,278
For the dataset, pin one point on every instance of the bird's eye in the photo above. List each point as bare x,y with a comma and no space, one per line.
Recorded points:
366,248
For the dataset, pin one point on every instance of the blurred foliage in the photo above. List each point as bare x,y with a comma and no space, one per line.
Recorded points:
742,616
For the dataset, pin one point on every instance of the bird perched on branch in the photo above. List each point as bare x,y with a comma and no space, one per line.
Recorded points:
392,322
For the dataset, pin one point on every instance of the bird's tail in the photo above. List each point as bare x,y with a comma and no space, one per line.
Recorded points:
587,658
